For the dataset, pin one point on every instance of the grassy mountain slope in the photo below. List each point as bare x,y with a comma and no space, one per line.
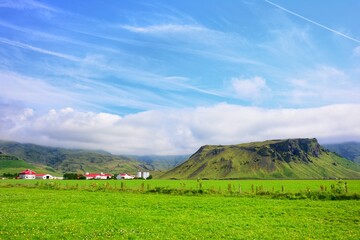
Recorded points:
288,159
11,164
65,160
350,150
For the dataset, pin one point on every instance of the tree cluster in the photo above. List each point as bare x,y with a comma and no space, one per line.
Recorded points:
73,176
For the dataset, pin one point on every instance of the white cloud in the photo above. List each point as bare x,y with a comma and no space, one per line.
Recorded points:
313,22
75,87
324,85
192,38
17,87
39,50
249,89
356,51
165,28
183,130
26,4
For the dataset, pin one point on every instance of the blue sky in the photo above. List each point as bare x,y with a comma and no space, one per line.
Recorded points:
165,77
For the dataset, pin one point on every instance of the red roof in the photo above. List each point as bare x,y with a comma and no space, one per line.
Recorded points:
28,172
41,174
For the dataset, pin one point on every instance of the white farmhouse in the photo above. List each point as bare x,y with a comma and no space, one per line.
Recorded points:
124,176
43,176
98,176
27,174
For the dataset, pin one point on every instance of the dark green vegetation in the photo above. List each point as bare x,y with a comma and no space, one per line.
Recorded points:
31,213
65,160
350,150
285,159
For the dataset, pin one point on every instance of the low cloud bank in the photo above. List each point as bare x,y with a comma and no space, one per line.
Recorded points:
178,131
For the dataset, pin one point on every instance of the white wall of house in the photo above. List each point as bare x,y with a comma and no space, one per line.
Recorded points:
143,175
101,177
27,176
126,176
46,176
98,176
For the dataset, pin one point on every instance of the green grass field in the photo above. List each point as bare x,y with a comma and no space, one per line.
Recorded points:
246,186
84,209
31,213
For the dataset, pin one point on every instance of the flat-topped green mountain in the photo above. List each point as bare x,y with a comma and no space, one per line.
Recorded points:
273,159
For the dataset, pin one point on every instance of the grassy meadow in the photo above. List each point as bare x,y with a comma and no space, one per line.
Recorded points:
101,210
210,186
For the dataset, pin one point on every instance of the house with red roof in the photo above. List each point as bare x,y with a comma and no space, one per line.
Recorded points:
43,176
27,174
124,176
97,176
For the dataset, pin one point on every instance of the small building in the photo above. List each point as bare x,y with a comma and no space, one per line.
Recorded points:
97,176
124,176
143,175
43,176
27,174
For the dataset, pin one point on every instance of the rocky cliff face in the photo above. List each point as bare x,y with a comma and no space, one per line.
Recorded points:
295,149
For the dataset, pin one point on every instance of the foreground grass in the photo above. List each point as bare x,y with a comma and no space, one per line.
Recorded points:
32,213
288,189
245,185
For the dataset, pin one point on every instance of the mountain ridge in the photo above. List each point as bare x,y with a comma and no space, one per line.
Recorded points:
80,160
280,158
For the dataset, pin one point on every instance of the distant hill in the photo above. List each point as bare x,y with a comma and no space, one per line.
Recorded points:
274,159
11,164
67,160
349,150
161,163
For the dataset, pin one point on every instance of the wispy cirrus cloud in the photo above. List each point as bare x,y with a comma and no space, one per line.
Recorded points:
165,28
323,85
83,93
34,92
220,46
39,50
97,65
27,5
44,36
313,22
